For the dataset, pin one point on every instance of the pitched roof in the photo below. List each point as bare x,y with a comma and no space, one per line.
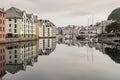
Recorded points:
14,13
14,68
46,22
2,10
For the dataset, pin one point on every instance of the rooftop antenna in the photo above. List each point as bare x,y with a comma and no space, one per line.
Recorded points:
88,21
92,20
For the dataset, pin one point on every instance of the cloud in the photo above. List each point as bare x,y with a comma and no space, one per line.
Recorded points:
57,10
78,13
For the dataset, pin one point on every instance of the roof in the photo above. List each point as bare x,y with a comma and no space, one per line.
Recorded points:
2,10
14,68
14,13
17,13
46,22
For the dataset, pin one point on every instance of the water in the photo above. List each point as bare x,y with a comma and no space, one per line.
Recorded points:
48,59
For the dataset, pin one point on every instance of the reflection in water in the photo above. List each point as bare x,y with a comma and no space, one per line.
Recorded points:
113,51
46,46
17,56
2,60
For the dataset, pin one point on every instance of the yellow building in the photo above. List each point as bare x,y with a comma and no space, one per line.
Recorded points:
37,48
37,30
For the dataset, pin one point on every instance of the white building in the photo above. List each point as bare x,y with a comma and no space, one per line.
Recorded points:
46,29
100,27
20,24
46,46
19,56
20,53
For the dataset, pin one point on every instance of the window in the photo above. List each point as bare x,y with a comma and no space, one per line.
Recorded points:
10,30
15,20
0,28
0,35
1,65
10,52
0,21
9,25
3,22
15,56
10,57
3,36
3,15
1,58
43,31
43,44
0,14
15,25
3,29
10,62
15,31
48,43
15,61
10,19
3,50
0,50
48,32
15,51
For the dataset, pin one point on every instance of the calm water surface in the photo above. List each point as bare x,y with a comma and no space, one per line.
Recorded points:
48,59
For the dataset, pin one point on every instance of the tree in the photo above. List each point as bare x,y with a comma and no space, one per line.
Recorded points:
115,15
113,27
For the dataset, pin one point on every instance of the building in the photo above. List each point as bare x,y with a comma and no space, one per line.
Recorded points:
46,46
19,56
46,29
100,26
67,31
20,24
2,25
2,60
37,27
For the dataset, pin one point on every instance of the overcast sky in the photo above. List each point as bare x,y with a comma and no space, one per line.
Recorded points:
66,12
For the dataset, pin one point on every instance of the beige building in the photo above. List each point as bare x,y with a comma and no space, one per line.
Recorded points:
46,29
20,24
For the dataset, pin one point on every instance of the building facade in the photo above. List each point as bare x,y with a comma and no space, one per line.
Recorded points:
46,46
20,53
19,56
2,60
46,29
20,24
2,25
100,26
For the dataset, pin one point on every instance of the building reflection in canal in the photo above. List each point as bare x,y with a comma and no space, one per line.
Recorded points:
113,51
19,56
2,60
15,57
46,46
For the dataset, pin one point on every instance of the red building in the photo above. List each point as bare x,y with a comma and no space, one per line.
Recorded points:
2,24
2,60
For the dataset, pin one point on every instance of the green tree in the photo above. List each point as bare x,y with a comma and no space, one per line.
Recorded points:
113,27
115,15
